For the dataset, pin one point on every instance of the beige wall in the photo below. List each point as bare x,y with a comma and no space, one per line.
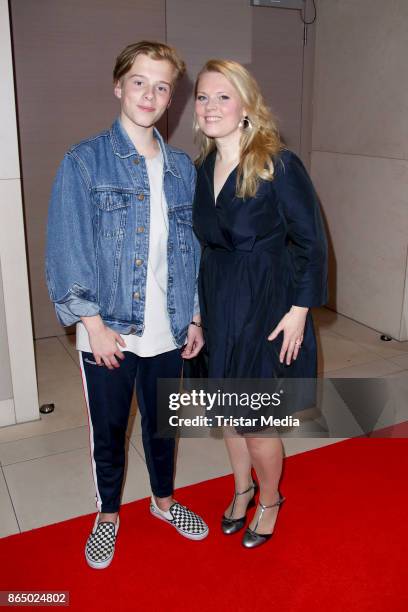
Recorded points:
360,156
64,53
18,391
268,41
63,56
6,388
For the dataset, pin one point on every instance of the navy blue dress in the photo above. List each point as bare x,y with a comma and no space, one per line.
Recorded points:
261,255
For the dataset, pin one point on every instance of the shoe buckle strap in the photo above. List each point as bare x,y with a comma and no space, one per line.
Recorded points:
263,508
246,490
236,495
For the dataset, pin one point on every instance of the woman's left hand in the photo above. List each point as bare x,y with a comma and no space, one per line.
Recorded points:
292,325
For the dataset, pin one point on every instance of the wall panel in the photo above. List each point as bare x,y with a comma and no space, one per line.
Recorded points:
6,387
268,41
64,55
360,155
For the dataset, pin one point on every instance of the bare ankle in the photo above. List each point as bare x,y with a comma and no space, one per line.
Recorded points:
108,517
164,503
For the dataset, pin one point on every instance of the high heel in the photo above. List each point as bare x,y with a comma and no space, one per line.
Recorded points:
251,538
230,526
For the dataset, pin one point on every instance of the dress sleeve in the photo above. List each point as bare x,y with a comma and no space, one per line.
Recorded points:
307,243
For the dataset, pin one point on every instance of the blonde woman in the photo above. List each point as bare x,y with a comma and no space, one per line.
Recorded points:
264,265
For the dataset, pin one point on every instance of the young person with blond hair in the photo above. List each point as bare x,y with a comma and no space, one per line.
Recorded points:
264,265
121,264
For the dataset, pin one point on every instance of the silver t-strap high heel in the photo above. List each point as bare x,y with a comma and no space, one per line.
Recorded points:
230,525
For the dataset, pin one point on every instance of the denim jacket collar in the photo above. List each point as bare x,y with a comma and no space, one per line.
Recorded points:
124,147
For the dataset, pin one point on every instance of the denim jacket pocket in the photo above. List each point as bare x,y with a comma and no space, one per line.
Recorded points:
111,211
184,227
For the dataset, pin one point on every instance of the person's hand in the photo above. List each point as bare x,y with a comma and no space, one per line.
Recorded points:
195,342
292,325
104,342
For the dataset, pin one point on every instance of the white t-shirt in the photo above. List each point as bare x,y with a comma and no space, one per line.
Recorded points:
157,337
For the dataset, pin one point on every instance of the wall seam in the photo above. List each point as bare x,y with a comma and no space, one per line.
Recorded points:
360,155
301,96
11,499
166,41
404,294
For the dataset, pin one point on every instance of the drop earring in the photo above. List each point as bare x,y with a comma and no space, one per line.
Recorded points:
245,123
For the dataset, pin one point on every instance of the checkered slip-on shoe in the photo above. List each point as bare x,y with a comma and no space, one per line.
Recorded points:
187,522
100,546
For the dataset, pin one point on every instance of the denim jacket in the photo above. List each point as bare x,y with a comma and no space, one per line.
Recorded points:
98,234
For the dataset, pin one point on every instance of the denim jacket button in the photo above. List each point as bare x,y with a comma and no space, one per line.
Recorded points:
140,229
136,295
136,161
140,196
139,262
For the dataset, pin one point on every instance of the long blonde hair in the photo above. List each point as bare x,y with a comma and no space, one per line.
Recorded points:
260,140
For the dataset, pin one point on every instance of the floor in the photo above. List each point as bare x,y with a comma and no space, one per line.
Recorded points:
45,470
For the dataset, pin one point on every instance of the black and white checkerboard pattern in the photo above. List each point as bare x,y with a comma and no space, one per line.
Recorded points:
101,544
186,520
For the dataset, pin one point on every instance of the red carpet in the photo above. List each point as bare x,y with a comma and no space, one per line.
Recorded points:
340,544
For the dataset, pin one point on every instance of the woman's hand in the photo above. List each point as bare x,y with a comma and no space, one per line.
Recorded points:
292,325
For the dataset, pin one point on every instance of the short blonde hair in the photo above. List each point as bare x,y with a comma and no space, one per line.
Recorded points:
260,140
154,50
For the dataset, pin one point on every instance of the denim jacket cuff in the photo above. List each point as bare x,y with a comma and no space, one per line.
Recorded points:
73,309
